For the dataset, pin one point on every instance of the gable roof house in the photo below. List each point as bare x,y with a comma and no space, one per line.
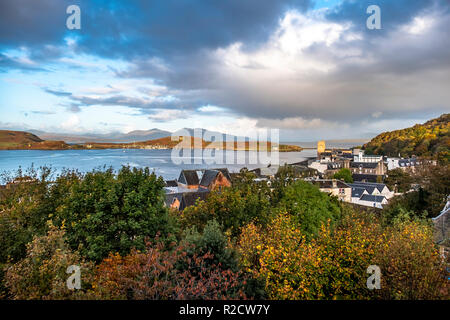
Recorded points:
357,193
266,172
213,179
181,201
336,188
225,172
189,179
374,188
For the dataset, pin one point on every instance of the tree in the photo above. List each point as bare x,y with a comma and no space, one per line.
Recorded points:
309,207
344,174
107,213
398,180
429,199
333,265
211,241
42,273
232,208
431,139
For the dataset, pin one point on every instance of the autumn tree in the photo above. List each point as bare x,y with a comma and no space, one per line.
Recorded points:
231,207
42,273
161,274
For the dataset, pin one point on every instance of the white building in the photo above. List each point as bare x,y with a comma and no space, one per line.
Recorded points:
372,201
319,166
370,194
359,156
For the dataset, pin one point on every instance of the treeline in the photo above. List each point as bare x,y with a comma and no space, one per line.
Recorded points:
431,139
250,241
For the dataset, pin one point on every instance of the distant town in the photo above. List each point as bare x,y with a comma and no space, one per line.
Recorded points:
366,187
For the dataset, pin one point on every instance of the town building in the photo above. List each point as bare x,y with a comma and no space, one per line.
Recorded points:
266,172
407,164
189,179
370,194
375,189
336,188
194,184
374,168
369,200
182,200
215,179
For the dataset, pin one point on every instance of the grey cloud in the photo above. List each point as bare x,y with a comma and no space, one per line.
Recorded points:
396,74
43,112
58,93
7,63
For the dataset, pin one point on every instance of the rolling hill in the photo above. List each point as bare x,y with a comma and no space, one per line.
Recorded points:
431,139
16,140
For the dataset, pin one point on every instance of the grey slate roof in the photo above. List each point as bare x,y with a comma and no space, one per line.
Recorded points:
171,183
188,177
369,186
329,184
208,177
367,165
357,192
408,162
186,198
225,172
189,198
371,198
366,177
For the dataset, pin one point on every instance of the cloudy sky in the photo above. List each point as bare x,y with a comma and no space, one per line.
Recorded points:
310,68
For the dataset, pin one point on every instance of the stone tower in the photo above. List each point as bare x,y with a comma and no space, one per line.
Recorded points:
320,147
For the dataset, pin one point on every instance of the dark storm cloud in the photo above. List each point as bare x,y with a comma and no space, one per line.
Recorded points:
401,71
137,27
32,23
392,74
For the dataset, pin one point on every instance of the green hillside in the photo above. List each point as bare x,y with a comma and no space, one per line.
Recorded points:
431,139
9,139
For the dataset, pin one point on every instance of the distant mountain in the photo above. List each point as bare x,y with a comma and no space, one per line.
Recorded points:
132,136
209,135
114,137
431,139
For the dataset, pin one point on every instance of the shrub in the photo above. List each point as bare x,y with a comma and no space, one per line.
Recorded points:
42,273
161,274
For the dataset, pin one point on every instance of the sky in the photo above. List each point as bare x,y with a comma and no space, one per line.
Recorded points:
309,68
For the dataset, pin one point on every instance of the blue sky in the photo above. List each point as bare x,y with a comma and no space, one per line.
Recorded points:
309,68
